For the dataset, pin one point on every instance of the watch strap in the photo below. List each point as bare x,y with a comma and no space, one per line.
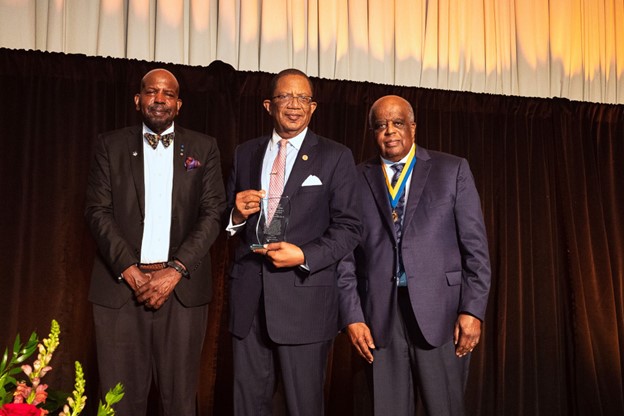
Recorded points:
176,266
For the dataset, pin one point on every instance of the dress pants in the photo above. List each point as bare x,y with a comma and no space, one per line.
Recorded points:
258,362
136,345
409,369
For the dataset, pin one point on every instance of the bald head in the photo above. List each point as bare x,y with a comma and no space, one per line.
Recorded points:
158,100
160,73
391,120
390,100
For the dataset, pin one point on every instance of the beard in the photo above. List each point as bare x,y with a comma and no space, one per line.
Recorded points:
158,119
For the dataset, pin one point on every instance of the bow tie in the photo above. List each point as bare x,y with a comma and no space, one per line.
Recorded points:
153,139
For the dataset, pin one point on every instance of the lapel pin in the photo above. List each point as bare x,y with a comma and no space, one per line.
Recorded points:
304,157
135,154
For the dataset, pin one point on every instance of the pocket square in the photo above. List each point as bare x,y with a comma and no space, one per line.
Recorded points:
191,163
312,180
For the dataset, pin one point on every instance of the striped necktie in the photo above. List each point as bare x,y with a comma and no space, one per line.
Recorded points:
397,213
397,219
276,184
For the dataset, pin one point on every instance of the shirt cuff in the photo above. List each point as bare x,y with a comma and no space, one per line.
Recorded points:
231,228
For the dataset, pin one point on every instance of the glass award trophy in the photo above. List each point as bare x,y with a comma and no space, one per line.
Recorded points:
272,231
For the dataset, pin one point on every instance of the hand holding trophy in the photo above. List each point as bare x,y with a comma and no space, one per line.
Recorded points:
273,221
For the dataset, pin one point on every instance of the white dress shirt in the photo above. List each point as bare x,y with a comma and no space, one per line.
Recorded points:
158,172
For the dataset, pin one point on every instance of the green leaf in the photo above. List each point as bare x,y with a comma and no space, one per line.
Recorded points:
55,401
115,395
32,341
104,411
28,349
8,366
6,398
5,359
17,345
6,393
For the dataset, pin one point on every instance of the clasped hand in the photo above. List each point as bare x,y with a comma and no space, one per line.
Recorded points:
152,289
156,290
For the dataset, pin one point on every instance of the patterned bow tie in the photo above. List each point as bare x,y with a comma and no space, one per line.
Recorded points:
153,139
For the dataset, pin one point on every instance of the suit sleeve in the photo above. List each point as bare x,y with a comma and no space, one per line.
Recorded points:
473,244
344,230
350,306
115,249
207,227
230,191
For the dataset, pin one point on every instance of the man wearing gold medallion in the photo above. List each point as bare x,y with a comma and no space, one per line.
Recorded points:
414,293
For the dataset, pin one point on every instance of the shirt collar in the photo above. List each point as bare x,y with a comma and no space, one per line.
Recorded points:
404,160
167,131
295,142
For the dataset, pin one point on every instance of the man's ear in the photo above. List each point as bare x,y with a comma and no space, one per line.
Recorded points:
267,106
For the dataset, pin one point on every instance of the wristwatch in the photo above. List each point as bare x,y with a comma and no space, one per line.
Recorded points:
175,266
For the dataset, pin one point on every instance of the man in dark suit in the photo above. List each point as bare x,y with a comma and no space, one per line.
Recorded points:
414,293
154,203
284,296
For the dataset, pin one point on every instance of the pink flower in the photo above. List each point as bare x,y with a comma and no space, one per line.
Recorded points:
21,409
44,371
27,369
21,393
40,394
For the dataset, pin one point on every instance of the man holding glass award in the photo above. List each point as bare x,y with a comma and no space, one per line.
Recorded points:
292,202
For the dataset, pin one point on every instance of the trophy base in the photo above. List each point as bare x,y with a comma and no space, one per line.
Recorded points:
256,246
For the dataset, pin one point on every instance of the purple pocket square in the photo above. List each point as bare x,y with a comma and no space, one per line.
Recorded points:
191,163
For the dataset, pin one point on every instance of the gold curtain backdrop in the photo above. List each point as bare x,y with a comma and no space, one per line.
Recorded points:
549,173
536,48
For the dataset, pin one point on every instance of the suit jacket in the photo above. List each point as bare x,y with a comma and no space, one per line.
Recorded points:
444,250
115,209
300,307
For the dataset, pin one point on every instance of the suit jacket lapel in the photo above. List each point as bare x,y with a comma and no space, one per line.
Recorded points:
255,170
377,183
417,185
135,149
181,149
303,165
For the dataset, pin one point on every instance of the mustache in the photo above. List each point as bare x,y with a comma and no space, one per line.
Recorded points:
159,107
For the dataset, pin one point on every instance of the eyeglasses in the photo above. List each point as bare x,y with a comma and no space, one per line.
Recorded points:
286,98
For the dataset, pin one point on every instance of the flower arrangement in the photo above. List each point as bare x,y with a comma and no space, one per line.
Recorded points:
28,397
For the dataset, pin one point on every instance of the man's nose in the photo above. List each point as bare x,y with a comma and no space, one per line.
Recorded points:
390,128
293,103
